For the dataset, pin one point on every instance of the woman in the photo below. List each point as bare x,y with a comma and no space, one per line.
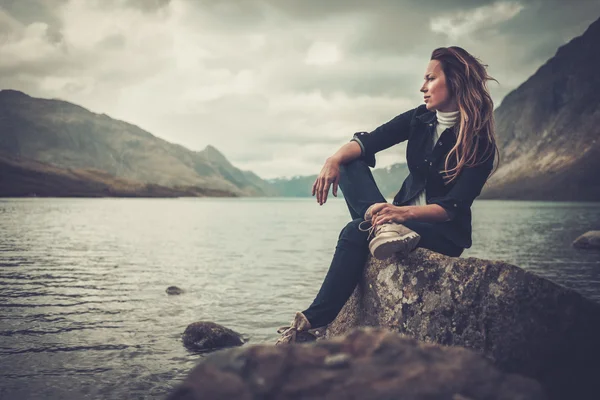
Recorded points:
450,155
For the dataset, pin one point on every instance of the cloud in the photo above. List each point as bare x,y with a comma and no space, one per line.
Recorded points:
323,53
468,22
276,85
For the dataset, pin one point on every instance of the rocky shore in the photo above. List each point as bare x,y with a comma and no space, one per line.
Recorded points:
365,364
447,328
521,322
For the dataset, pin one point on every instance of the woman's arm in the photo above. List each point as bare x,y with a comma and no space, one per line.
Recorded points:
347,153
392,132
330,173
385,212
363,145
428,213
467,187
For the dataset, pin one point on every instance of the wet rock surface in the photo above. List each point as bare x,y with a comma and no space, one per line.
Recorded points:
523,323
366,364
208,336
589,240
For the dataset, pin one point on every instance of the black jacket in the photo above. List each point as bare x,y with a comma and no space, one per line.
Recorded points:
426,166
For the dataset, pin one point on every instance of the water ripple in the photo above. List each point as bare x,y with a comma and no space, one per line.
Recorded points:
84,313
106,347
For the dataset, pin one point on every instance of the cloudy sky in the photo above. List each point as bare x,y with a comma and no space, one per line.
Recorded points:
276,85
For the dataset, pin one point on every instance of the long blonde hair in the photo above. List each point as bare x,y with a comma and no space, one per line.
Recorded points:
466,78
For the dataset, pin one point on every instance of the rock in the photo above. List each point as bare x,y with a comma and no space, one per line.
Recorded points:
367,364
589,240
207,336
547,138
306,337
524,323
174,290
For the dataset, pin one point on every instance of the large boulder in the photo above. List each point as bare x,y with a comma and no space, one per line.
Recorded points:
207,336
589,240
367,364
523,323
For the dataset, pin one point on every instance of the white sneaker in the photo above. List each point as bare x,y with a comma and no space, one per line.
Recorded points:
289,334
368,216
390,238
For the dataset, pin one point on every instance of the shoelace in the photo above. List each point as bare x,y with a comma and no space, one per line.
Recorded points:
371,228
289,331
283,329
287,336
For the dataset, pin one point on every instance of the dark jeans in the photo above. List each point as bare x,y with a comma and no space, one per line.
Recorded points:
351,252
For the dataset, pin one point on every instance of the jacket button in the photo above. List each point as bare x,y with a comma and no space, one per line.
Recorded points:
431,163
439,143
430,124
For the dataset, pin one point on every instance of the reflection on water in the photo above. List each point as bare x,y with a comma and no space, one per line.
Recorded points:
83,302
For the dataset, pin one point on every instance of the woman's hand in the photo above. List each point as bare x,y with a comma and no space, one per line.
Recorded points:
330,175
385,212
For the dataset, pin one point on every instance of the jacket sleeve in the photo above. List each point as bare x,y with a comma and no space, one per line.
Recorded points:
467,187
385,136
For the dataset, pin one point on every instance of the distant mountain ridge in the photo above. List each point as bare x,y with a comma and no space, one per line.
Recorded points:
548,128
389,180
66,135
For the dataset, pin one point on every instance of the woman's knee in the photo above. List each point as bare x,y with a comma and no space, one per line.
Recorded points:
356,163
353,167
352,233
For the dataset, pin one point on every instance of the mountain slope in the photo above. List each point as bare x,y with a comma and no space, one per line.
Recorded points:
68,136
20,177
243,179
548,128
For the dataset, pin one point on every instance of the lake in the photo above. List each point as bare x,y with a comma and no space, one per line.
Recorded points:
84,309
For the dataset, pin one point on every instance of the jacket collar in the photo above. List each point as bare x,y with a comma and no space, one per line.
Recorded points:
427,117
430,117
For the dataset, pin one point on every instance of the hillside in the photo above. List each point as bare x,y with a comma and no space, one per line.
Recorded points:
548,128
20,178
68,136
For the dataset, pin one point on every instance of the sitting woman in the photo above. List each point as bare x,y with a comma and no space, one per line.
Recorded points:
450,155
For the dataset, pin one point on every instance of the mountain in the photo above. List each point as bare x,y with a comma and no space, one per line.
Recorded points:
242,179
20,177
548,128
388,179
67,136
297,186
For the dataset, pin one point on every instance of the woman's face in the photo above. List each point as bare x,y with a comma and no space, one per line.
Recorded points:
435,91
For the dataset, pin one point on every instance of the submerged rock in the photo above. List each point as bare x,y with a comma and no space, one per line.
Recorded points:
367,364
525,324
174,290
589,240
206,336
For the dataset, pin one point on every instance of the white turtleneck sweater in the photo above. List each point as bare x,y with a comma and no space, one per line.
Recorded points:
444,120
